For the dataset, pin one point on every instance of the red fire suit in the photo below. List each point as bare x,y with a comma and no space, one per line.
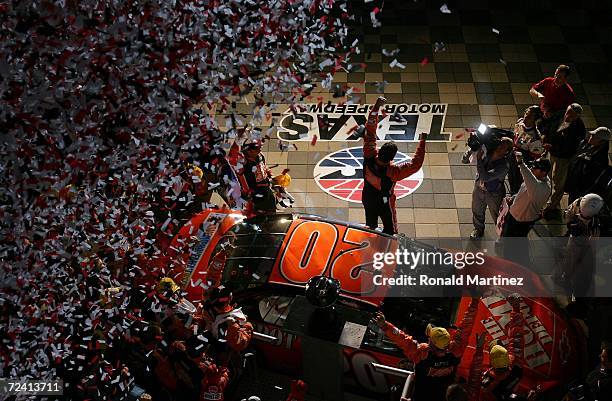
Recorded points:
486,385
434,372
378,196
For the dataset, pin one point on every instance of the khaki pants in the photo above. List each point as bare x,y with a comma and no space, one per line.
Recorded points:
558,176
481,200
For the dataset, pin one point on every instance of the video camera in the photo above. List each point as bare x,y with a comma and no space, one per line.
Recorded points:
488,136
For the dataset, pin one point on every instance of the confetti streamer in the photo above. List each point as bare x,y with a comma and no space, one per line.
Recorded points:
439,47
390,53
96,171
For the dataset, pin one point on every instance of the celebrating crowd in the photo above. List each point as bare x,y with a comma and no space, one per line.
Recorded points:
109,145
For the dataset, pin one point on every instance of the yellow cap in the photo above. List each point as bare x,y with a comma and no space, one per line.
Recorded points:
438,335
283,180
195,171
167,284
498,356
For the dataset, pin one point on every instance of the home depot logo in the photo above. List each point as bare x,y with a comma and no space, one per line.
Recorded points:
538,341
340,174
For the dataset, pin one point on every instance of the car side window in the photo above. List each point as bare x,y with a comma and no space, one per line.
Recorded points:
275,308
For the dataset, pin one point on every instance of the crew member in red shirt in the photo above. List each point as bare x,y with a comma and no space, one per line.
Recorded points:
216,379
254,176
380,174
225,321
435,362
554,94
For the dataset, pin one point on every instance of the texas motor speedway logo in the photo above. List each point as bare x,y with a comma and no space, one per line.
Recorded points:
340,174
337,122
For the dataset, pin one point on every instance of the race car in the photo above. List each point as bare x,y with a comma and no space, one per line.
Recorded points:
268,259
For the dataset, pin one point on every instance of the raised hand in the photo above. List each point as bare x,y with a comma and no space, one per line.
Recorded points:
380,320
379,103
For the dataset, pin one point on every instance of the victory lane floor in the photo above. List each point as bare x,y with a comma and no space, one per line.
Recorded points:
482,76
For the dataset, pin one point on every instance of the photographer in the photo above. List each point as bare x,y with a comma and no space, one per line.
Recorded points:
489,189
525,207
527,141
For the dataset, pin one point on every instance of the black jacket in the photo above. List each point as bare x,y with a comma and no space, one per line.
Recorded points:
586,167
565,142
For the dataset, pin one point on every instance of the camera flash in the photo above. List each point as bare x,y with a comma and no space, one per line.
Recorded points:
482,128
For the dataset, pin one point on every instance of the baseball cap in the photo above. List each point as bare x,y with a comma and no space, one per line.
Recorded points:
601,133
439,336
542,164
590,205
167,284
220,297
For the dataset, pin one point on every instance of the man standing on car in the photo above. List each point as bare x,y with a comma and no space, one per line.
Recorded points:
380,174
254,176
435,362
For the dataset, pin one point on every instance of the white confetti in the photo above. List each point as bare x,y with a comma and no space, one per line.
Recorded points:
444,9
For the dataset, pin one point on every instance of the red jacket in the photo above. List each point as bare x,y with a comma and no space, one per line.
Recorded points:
239,335
395,172
417,352
233,324
215,380
475,390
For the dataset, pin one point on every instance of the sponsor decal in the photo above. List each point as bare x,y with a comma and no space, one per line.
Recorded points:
207,230
340,174
538,341
337,122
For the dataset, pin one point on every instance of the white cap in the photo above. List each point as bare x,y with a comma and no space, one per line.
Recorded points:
601,133
590,205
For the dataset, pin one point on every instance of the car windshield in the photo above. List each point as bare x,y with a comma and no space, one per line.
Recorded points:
252,247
